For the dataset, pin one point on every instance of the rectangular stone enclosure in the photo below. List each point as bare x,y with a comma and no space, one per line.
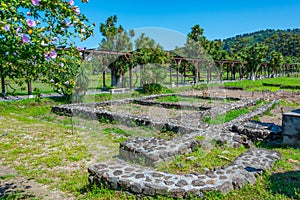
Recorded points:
291,128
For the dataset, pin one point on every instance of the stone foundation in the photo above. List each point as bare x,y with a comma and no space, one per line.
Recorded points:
141,180
145,181
150,151
186,124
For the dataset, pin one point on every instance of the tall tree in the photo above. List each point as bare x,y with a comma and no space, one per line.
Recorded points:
215,50
195,47
255,55
152,59
115,39
30,33
276,62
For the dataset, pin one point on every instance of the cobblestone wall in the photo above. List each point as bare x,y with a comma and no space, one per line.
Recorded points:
141,180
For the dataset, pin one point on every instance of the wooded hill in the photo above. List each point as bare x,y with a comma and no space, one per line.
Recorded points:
286,42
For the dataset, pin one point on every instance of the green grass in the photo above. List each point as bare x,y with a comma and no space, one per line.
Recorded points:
190,100
219,119
7,176
169,99
200,159
270,84
41,146
15,89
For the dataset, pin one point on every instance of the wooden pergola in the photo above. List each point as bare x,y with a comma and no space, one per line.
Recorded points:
231,67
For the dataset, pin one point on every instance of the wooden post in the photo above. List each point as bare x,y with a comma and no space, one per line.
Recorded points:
170,76
184,74
130,77
221,72
234,71
177,73
103,77
3,85
227,71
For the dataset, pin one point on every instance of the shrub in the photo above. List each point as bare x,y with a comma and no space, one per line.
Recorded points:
154,88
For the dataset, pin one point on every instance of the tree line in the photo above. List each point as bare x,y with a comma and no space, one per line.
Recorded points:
35,45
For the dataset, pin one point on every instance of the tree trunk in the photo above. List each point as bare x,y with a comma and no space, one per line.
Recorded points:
207,76
141,75
171,76
227,72
221,72
29,87
252,75
234,72
3,85
196,75
104,79
113,77
121,80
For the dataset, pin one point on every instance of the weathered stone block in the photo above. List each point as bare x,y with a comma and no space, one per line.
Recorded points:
291,128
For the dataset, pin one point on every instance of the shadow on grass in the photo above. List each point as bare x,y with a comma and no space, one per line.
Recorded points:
286,183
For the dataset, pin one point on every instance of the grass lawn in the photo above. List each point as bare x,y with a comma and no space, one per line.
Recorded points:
269,84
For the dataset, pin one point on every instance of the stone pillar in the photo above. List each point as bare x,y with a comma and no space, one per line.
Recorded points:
291,128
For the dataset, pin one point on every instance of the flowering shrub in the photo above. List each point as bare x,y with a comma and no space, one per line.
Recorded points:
31,35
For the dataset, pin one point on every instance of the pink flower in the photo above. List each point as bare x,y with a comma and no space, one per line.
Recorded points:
53,54
67,82
35,2
61,65
68,24
6,27
18,30
77,10
28,13
31,22
71,3
80,48
25,39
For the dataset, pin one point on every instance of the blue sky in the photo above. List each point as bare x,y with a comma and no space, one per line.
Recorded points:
171,20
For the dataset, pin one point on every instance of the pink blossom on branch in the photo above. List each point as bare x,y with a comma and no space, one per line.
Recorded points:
35,2
71,3
31,23
6,27
18,30
25,39
77,10
53,54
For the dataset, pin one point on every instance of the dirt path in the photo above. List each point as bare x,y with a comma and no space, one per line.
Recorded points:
16,186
